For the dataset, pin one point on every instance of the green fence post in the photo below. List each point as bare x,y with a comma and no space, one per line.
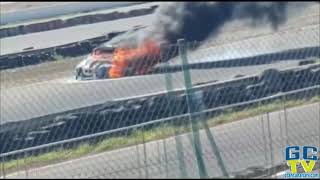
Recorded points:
180,154
168,80
2,168
270,144
215,150
145,154
191,109
179,147
265,148
26,165
200,106
284,101
138,158
319,132
165,157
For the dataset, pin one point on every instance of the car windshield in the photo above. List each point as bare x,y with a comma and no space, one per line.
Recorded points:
104,49
102,54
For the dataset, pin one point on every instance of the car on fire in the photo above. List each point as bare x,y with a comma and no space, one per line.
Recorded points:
96,65
108,61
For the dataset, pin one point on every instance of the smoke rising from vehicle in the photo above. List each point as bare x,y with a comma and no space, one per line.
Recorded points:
196,21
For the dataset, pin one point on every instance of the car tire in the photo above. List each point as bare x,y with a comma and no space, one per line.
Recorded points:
129,72
79,74
101,72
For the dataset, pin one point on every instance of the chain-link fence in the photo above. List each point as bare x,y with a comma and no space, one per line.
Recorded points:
191,109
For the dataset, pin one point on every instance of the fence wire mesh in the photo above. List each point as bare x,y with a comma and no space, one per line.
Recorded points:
189,110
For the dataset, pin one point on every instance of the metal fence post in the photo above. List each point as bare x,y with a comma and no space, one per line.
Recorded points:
25,165
180,154
215,150
270,143
198,101
189,92
168,78
159,156
17,163
179,146
138,158
169,87
284,99
165,157
264,141
145,154
319,133
2,168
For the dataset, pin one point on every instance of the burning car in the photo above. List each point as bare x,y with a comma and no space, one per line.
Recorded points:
95,65
114,62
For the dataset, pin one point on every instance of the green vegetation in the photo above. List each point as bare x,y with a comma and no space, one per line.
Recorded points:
139,136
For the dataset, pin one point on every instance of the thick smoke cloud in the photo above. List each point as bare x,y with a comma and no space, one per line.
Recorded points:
199,21
196,21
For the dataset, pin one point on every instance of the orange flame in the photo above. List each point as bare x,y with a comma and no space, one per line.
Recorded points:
139,60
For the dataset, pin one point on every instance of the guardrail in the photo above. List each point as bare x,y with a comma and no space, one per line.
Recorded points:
32,57
153,124
280,95
73,21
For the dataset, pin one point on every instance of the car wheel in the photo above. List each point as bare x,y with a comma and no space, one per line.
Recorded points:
101,73
79,74
129,72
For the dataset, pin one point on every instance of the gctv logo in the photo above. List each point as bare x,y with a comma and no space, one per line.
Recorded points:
307,157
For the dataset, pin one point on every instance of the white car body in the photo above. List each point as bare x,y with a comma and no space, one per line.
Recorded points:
95,65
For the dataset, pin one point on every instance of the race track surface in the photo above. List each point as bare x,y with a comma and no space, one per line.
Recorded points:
298,17
26,11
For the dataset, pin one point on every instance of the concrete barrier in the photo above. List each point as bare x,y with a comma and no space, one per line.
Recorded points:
291,54
32,57
74,21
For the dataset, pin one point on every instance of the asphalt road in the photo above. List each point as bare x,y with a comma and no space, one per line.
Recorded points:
297,20
13,12
59,95
259,141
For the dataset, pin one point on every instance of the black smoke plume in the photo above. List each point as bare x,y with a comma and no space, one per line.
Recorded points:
196,21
